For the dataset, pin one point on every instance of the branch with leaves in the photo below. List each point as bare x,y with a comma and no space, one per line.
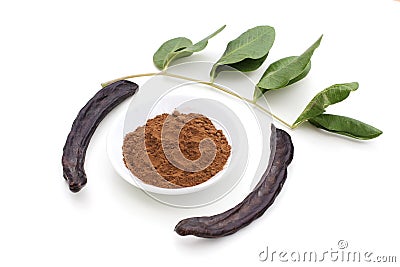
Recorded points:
247,53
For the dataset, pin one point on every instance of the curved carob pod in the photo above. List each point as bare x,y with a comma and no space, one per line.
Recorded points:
255,204
85,124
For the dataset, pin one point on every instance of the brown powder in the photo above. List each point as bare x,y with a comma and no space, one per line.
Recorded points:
177,150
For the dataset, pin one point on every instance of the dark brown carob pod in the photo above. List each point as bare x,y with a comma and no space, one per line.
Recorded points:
89,117
255,204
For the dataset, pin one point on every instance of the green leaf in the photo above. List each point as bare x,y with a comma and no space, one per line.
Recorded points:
179,47
345,126
287,70
302,75
245,65
168,49
203,43
328,96
252,45
281,63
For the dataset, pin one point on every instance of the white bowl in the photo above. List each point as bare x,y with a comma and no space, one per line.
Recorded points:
221,116
245,128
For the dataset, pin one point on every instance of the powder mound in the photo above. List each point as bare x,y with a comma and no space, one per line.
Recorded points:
176,150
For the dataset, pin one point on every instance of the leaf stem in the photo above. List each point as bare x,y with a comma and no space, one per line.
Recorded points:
212,74
129,77
211,84
269,113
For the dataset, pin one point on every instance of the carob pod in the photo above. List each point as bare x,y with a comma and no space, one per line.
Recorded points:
255,204
84,126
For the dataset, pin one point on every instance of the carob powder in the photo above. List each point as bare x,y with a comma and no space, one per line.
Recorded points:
178,150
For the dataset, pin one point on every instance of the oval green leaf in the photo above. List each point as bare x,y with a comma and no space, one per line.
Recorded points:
252,45
245,65
179,47
168,49
284,73
302,75
329,96
281,63
345,126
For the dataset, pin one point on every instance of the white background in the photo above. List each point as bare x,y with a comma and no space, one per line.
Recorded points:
53,57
